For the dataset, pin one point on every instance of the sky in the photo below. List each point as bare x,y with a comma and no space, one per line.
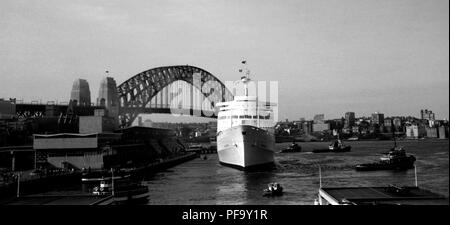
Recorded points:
328,56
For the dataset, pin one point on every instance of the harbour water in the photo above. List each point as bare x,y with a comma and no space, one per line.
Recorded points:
207,182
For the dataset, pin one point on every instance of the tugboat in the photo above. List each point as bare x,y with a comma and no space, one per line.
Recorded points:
396,159
294,147
336,146
273,189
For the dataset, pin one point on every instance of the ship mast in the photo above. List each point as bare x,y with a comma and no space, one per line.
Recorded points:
245,79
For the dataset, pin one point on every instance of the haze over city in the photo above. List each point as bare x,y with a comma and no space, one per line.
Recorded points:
329,57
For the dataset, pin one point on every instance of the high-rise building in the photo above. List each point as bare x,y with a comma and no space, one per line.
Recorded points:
378,118
81,93
318,127
307,126
319,118
349,119
426,114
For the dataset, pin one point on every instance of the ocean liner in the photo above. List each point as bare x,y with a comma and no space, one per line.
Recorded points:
245,131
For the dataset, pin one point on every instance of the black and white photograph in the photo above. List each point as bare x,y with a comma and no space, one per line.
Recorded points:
217,106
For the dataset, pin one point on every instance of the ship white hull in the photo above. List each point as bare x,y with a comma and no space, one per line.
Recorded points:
245,146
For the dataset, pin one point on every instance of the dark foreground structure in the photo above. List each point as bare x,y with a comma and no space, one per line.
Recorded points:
391,195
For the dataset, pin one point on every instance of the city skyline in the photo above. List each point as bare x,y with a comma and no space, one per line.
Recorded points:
329,57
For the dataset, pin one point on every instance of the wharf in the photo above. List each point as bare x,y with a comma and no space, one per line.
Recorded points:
391,195
60,200
165,163
33,184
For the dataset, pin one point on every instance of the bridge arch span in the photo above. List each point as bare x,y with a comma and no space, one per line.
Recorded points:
136,93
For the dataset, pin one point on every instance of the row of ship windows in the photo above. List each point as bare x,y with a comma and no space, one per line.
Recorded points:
244,117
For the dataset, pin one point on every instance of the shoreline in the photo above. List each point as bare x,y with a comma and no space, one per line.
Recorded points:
29,187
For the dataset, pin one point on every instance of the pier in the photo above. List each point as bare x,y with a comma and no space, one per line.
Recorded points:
390,195
60,200
164,164
30,184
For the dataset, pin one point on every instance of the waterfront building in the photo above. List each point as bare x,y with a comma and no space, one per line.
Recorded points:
96,124
397,123
364,127
388,122
432,132
426,114
73,151
319,118
375,129
307,126
81,93
388,125
443,132
336,124
129,147
349,119
100,122
297,124
378,118
319,127
414,131
347,130
319,124
7,109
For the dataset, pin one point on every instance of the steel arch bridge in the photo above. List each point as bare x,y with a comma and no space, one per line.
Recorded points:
135,94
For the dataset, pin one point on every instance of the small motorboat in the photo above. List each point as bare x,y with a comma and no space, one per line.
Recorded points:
273,189
294,147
